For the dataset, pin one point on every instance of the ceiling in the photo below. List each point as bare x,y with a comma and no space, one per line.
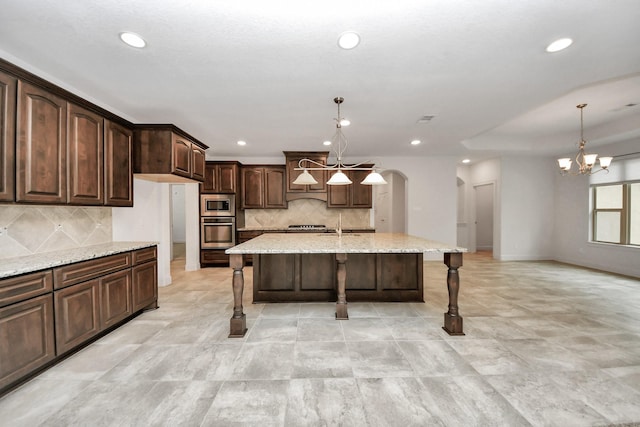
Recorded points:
266,72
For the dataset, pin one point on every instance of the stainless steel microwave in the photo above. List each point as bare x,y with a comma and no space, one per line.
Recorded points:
217,205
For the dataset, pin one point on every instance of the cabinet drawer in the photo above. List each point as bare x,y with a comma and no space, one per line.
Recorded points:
243,236
23,287
26,338
86,270
144,255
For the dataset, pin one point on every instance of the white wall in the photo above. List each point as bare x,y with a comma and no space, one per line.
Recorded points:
431,195
572,217
527,220
150,220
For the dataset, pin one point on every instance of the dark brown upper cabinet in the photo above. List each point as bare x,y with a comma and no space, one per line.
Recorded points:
354,195
315,191
165,153
8,85
262,187
118,164
41,146
220,177
57,148
85,162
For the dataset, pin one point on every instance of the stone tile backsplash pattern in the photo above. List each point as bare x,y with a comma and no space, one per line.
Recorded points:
26,230
307,211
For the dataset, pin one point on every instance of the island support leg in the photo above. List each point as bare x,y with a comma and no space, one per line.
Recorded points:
341,304
238,323
452,319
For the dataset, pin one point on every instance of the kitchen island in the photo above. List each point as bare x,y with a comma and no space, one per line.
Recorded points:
394,248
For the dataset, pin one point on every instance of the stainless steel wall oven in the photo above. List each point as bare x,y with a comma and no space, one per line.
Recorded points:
217,232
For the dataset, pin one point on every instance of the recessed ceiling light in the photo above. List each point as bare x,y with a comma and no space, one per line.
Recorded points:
326,143
242,143
133,40
349,40
416,142
559,44
466,161
345,122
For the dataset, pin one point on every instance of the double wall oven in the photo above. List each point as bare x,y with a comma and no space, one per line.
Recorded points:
217,221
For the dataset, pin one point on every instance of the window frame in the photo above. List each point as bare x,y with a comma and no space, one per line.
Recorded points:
625,213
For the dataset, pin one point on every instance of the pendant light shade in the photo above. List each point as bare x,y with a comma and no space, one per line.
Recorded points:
374,178
339,178
305,178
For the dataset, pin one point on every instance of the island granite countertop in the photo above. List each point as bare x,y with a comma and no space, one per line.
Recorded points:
287,243
285,229
29,263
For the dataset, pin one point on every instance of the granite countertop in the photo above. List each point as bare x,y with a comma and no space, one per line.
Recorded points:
30,263
285,228
287,243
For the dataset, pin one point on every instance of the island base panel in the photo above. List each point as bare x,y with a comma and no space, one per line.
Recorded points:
314,277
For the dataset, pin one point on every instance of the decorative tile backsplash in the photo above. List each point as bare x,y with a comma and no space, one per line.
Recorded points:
306,211
26,230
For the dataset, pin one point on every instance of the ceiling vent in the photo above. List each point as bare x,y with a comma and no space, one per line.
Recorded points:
425,119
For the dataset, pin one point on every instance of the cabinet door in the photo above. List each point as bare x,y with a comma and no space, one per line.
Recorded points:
210,179
319,175
252,188
361,195
274,180
181,160
41,146
26,338
77,313
115,298
7,136
85,161
198,162
118,165
227,175
144,285
338,196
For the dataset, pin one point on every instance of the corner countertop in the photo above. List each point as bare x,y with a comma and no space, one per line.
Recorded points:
287,243
27,264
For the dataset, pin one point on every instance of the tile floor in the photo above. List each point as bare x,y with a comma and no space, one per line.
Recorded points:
546,345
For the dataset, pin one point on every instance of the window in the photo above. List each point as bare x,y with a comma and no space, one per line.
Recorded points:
616,213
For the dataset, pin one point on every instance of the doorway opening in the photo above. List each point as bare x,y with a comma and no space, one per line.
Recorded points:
484,202
390,203
178,226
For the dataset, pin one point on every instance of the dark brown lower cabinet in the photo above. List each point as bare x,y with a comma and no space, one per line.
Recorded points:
46,314
209,257
145,285
115,298
312,277
26,338
77,314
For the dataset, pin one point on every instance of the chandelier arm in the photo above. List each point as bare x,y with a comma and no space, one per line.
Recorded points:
300,167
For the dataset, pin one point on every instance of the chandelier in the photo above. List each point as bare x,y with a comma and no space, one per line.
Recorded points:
339,177
584,161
